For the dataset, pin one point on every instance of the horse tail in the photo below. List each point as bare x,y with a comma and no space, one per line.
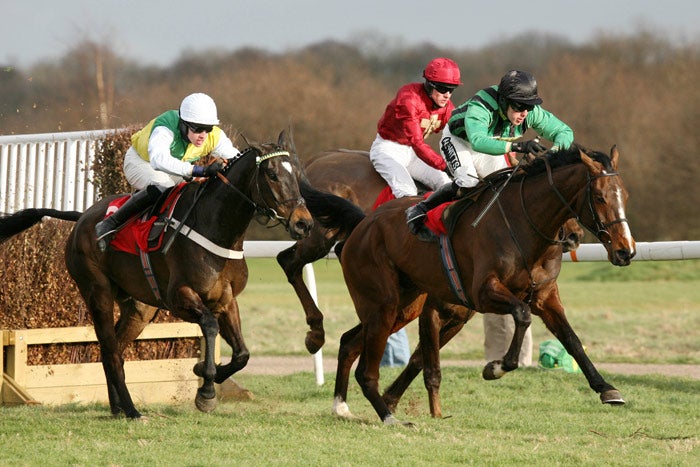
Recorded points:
331,211
12,224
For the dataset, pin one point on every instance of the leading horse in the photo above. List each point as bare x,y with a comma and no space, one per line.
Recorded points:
349,174
200,275
506,263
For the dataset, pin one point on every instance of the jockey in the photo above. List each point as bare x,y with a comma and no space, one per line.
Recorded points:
478,140
480,137
399,153
162,154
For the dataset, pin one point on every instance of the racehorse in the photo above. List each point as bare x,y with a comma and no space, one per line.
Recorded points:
351,175
200,275
507,263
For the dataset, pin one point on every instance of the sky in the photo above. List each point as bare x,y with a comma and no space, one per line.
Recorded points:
158,32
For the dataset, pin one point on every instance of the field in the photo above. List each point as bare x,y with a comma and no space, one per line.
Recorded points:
647,313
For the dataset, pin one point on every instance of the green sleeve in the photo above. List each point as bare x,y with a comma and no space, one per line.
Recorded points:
549,126
479,125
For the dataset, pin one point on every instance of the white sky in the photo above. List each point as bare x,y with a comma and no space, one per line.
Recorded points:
158,32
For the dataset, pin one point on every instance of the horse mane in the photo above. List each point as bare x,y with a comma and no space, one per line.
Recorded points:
561,158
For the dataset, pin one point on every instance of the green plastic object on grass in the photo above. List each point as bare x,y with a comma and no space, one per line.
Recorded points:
553,355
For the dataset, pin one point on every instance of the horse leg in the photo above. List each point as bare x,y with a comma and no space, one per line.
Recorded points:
349,349
554,317
449,326
188,305
375,337
133,318
101,306
230,330
292,260
496,298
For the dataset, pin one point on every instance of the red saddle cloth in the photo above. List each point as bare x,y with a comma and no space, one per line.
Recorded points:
135,232
434,216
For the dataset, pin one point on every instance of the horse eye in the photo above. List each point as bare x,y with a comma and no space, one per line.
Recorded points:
599,199
272,175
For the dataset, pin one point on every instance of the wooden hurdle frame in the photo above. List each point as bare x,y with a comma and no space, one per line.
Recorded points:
150,381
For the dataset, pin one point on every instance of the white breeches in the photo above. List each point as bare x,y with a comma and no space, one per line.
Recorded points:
472,165
399,166
140,174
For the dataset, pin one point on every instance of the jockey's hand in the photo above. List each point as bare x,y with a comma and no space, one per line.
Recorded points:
528,147
209,171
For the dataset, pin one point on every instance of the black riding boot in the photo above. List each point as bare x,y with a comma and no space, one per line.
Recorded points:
415,215
106,228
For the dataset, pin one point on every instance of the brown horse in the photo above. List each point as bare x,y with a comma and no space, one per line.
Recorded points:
350,175
507,263
198,282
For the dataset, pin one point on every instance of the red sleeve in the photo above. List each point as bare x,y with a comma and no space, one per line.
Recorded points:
409,109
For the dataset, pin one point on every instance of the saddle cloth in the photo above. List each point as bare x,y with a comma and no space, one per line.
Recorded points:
433,220
136,234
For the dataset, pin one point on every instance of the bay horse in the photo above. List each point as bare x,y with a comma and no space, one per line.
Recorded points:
198,284
347,173
507,262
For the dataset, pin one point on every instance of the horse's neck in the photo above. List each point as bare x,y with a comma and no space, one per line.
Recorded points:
549,206
223,213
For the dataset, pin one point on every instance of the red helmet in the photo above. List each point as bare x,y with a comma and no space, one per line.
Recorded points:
442,70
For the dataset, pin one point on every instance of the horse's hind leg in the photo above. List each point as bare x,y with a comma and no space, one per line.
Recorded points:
133,318
292,260
448,323
101,305
350,347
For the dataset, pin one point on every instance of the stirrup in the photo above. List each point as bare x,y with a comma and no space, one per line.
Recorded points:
105,239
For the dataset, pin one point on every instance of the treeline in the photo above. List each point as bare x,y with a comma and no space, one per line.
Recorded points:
639,92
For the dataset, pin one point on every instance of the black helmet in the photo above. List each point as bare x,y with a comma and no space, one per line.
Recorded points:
519,86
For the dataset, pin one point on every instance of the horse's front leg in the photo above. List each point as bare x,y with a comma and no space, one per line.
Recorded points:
494,297
230,330
553,315
292,260
188,305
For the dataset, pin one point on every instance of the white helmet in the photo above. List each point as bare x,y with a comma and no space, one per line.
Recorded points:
199,108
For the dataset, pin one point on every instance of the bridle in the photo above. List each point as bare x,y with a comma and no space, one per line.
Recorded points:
262,208
599,228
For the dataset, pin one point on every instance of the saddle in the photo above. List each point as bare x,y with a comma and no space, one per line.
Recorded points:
145,232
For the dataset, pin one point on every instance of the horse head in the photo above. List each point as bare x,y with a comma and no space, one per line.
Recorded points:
607,199
277,189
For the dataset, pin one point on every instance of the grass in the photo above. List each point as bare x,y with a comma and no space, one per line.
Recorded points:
648,312
531,417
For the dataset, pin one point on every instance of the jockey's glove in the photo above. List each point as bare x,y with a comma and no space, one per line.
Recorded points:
209,171
528,147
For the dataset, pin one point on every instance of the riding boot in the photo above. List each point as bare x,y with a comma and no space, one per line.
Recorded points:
106,228
415,215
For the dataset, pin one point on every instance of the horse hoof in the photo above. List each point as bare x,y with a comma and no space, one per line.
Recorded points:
493,370
313,343
390,420
341,409
205,405
612,397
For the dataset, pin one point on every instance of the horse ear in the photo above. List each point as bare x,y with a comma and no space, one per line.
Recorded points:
594,166
286,140
614,155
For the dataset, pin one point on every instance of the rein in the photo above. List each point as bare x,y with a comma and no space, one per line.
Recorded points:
262,210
